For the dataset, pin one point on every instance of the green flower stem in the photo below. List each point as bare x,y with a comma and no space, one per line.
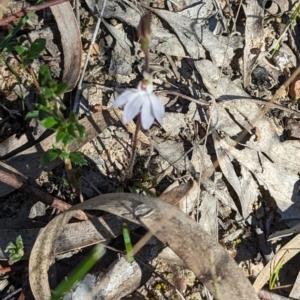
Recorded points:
134,147
11,69
147,64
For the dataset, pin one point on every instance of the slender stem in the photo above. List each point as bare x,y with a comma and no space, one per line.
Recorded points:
147,64
145,49
70,172
35,81
18,182
134,147
79,85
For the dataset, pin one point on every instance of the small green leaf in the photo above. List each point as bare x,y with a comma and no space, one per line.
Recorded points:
32,114
81,130
43,113
63,136
36,48
44,76
78,158
73,117
49,156
26,61
72,130
9,47
20,50
61,88
139,185
50,122
60,136
128,244
64,154
16,252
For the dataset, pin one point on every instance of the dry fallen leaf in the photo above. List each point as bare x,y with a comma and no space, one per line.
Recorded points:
95,49
170,225
70,40
295,89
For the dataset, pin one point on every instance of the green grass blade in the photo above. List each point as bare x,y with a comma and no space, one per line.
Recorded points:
79,272
128,244
22,22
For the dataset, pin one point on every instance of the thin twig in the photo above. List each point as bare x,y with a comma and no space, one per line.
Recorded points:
18,183
270,296
79,87
93,187
25,11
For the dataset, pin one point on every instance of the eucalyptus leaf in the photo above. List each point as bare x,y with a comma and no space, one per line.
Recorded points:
49,156
36,48
78,158
32,114
50,122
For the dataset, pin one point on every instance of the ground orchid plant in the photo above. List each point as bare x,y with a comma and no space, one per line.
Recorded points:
141,102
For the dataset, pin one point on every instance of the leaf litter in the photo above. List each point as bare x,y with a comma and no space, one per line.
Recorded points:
245,175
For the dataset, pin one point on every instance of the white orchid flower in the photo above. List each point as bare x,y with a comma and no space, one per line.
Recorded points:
141,100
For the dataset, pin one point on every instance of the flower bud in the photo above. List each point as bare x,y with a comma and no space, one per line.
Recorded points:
144,30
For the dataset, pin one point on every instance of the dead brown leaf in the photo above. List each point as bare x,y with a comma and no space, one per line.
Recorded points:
294,89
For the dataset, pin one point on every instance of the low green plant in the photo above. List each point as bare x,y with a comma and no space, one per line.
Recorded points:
49,111
49,105
16,251
291,23
7,46
275,273
27,55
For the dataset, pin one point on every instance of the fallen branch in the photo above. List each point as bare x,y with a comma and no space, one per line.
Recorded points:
26,10
18,183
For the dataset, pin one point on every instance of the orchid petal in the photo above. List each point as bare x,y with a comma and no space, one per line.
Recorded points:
132,108
124,98
147,118
158,109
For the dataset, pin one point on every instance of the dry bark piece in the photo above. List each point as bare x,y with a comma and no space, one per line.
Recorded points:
14,144
120,37
244,184
206,258
121,280
254,37
184,196
75,236
209,217
295,292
